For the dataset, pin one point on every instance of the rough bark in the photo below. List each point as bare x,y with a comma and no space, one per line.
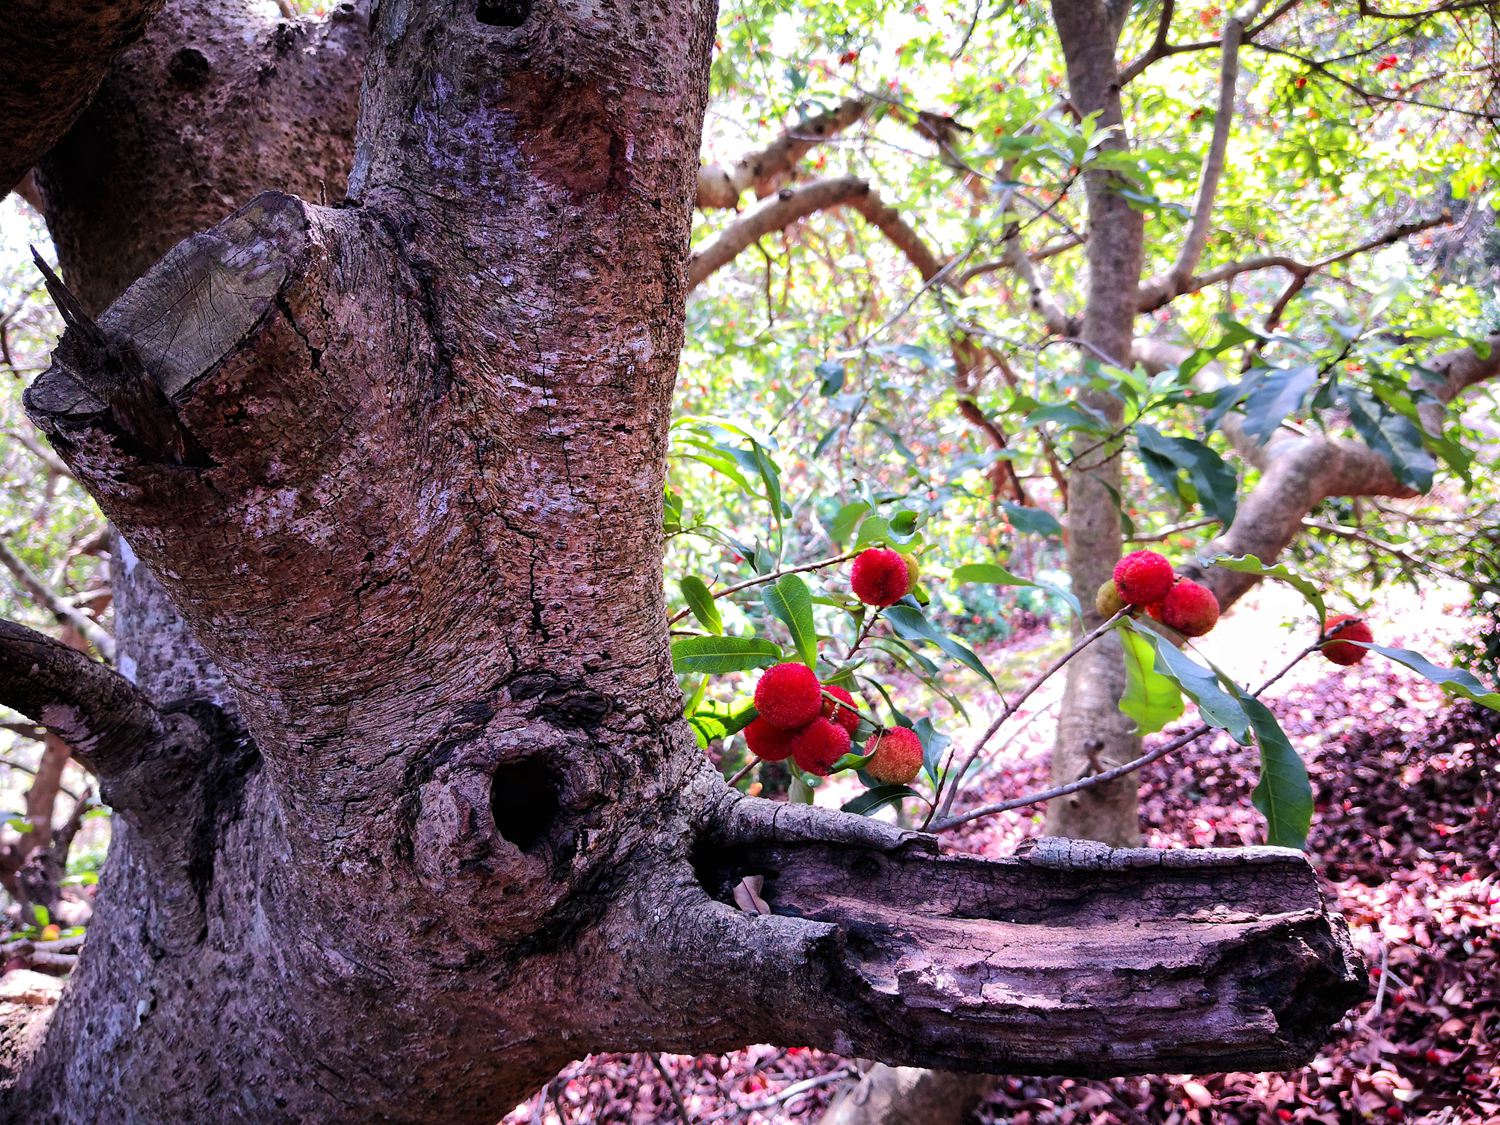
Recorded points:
1092,732
418,528
56,52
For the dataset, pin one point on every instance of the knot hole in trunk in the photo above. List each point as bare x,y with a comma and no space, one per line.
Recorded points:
523,799
503,13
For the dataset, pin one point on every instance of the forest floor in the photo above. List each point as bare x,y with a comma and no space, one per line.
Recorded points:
1406,832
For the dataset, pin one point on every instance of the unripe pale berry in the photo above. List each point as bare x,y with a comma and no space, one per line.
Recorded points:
879,577
1354,630
1107,602
898,756
768,743
842,716
789,696
1190,608
1143,578
913,570
818,745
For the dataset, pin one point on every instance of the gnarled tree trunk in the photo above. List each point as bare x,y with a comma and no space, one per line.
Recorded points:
397,464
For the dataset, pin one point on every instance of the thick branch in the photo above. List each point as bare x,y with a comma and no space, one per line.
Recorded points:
1068,958
1300,470
1213,162
56,53
99,713
762,169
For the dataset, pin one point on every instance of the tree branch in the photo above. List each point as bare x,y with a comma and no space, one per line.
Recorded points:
762,169
64,613
1301,470
1213,162
883,948
105,719
1162,289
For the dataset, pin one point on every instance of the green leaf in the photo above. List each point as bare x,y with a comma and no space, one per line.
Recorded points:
1278,392
1395,438
872,800
1032,521
847,520
695,592
910,623
791,602
710,655
831,374
1453,681
1210,481
933,745
1249,564
991,574
799,792
1217,707
1150,698
1283,794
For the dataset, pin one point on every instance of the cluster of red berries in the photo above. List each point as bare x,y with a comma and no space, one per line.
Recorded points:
812,723
1147,581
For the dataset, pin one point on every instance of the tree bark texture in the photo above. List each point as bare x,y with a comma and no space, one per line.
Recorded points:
412,512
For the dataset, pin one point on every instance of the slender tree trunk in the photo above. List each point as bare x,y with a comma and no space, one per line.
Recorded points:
1092,731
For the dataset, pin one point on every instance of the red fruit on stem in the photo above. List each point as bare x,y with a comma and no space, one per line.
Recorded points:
818,745
789,696
768,743
879,577
1346,627
1189,608
1143,578
841,716
898,756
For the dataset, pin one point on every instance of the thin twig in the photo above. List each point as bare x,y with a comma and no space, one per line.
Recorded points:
1011,708
1108,775
682,1113
761,580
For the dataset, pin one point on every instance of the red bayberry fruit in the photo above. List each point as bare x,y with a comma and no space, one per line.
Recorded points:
1143,578
789,696
841,716
898,756
768,743
818,745
1346,627
1189,608
879,577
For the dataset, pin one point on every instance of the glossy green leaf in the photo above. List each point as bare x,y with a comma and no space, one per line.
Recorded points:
1278,392
701,602
873,800
1150,698
1217,707
791,602
992,574
1453,681
715,655
1395,438
912,624
1283,794
1249,564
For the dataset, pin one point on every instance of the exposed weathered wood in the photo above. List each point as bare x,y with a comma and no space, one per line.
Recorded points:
1068,958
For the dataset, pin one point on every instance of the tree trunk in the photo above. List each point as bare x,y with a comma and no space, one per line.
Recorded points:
1092,732
397,463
